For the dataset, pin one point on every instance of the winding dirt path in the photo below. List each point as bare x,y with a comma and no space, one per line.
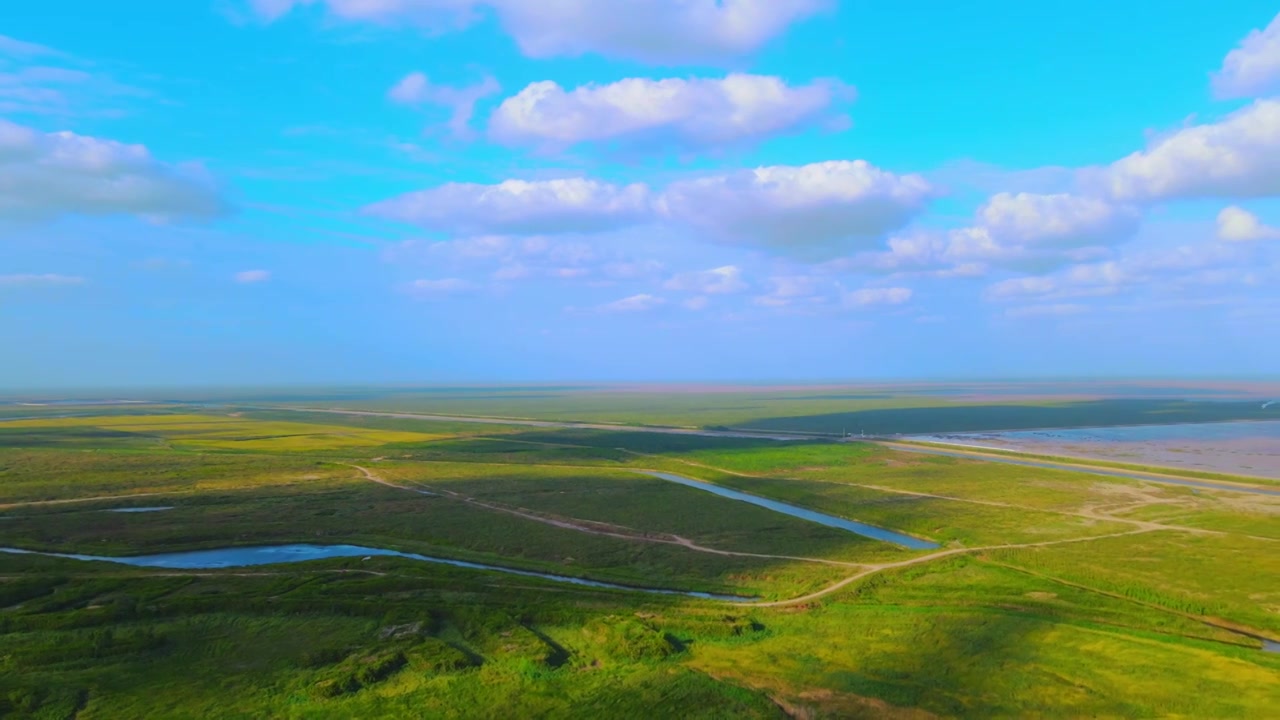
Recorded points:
866,569
873,569
34,503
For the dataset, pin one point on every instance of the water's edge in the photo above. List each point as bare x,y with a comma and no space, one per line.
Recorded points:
232,557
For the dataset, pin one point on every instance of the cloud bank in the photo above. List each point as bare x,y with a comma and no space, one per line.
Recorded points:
47,175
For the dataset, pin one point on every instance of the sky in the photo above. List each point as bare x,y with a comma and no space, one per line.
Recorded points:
260,192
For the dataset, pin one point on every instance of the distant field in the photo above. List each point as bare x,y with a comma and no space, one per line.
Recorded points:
831,410
1056,594
207,432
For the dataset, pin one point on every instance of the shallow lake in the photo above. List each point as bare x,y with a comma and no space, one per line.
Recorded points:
160,508
862,529
276,554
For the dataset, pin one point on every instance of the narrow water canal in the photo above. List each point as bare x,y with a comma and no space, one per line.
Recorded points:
871,531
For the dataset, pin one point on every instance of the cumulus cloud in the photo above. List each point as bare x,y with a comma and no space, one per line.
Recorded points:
634,303
252,276
717,281
1058,220
869,297
787,291
1085,280
911,252
1026,231
695,112
416,89
1253,67
46,175
40,280
814,210
520,207
662,31
1236,224
1238,156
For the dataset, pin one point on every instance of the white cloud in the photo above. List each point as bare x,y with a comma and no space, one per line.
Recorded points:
48,175
416,89
1238,156
1024,231
717,281
1236,224
252,276
1088,280
39,280
1058,220
811,210
632,269
634,303
443,286
521,207
61,91
1160,270
1041,311
1253,67
662,31
428,14
696,303
787,291
1022,287
914,251
697,112
38,80
869,297
510,258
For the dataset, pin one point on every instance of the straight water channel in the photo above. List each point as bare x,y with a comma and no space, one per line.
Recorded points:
275,554
862,529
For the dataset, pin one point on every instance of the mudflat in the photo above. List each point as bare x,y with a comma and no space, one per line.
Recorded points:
1240,448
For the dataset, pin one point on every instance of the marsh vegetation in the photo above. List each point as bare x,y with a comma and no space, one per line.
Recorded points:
1052,594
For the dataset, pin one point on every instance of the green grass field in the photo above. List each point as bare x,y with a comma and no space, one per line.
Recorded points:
1054,594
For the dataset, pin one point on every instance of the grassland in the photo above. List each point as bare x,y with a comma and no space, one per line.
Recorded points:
1055,594
883,410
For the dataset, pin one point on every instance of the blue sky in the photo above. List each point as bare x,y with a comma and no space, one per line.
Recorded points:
271,191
